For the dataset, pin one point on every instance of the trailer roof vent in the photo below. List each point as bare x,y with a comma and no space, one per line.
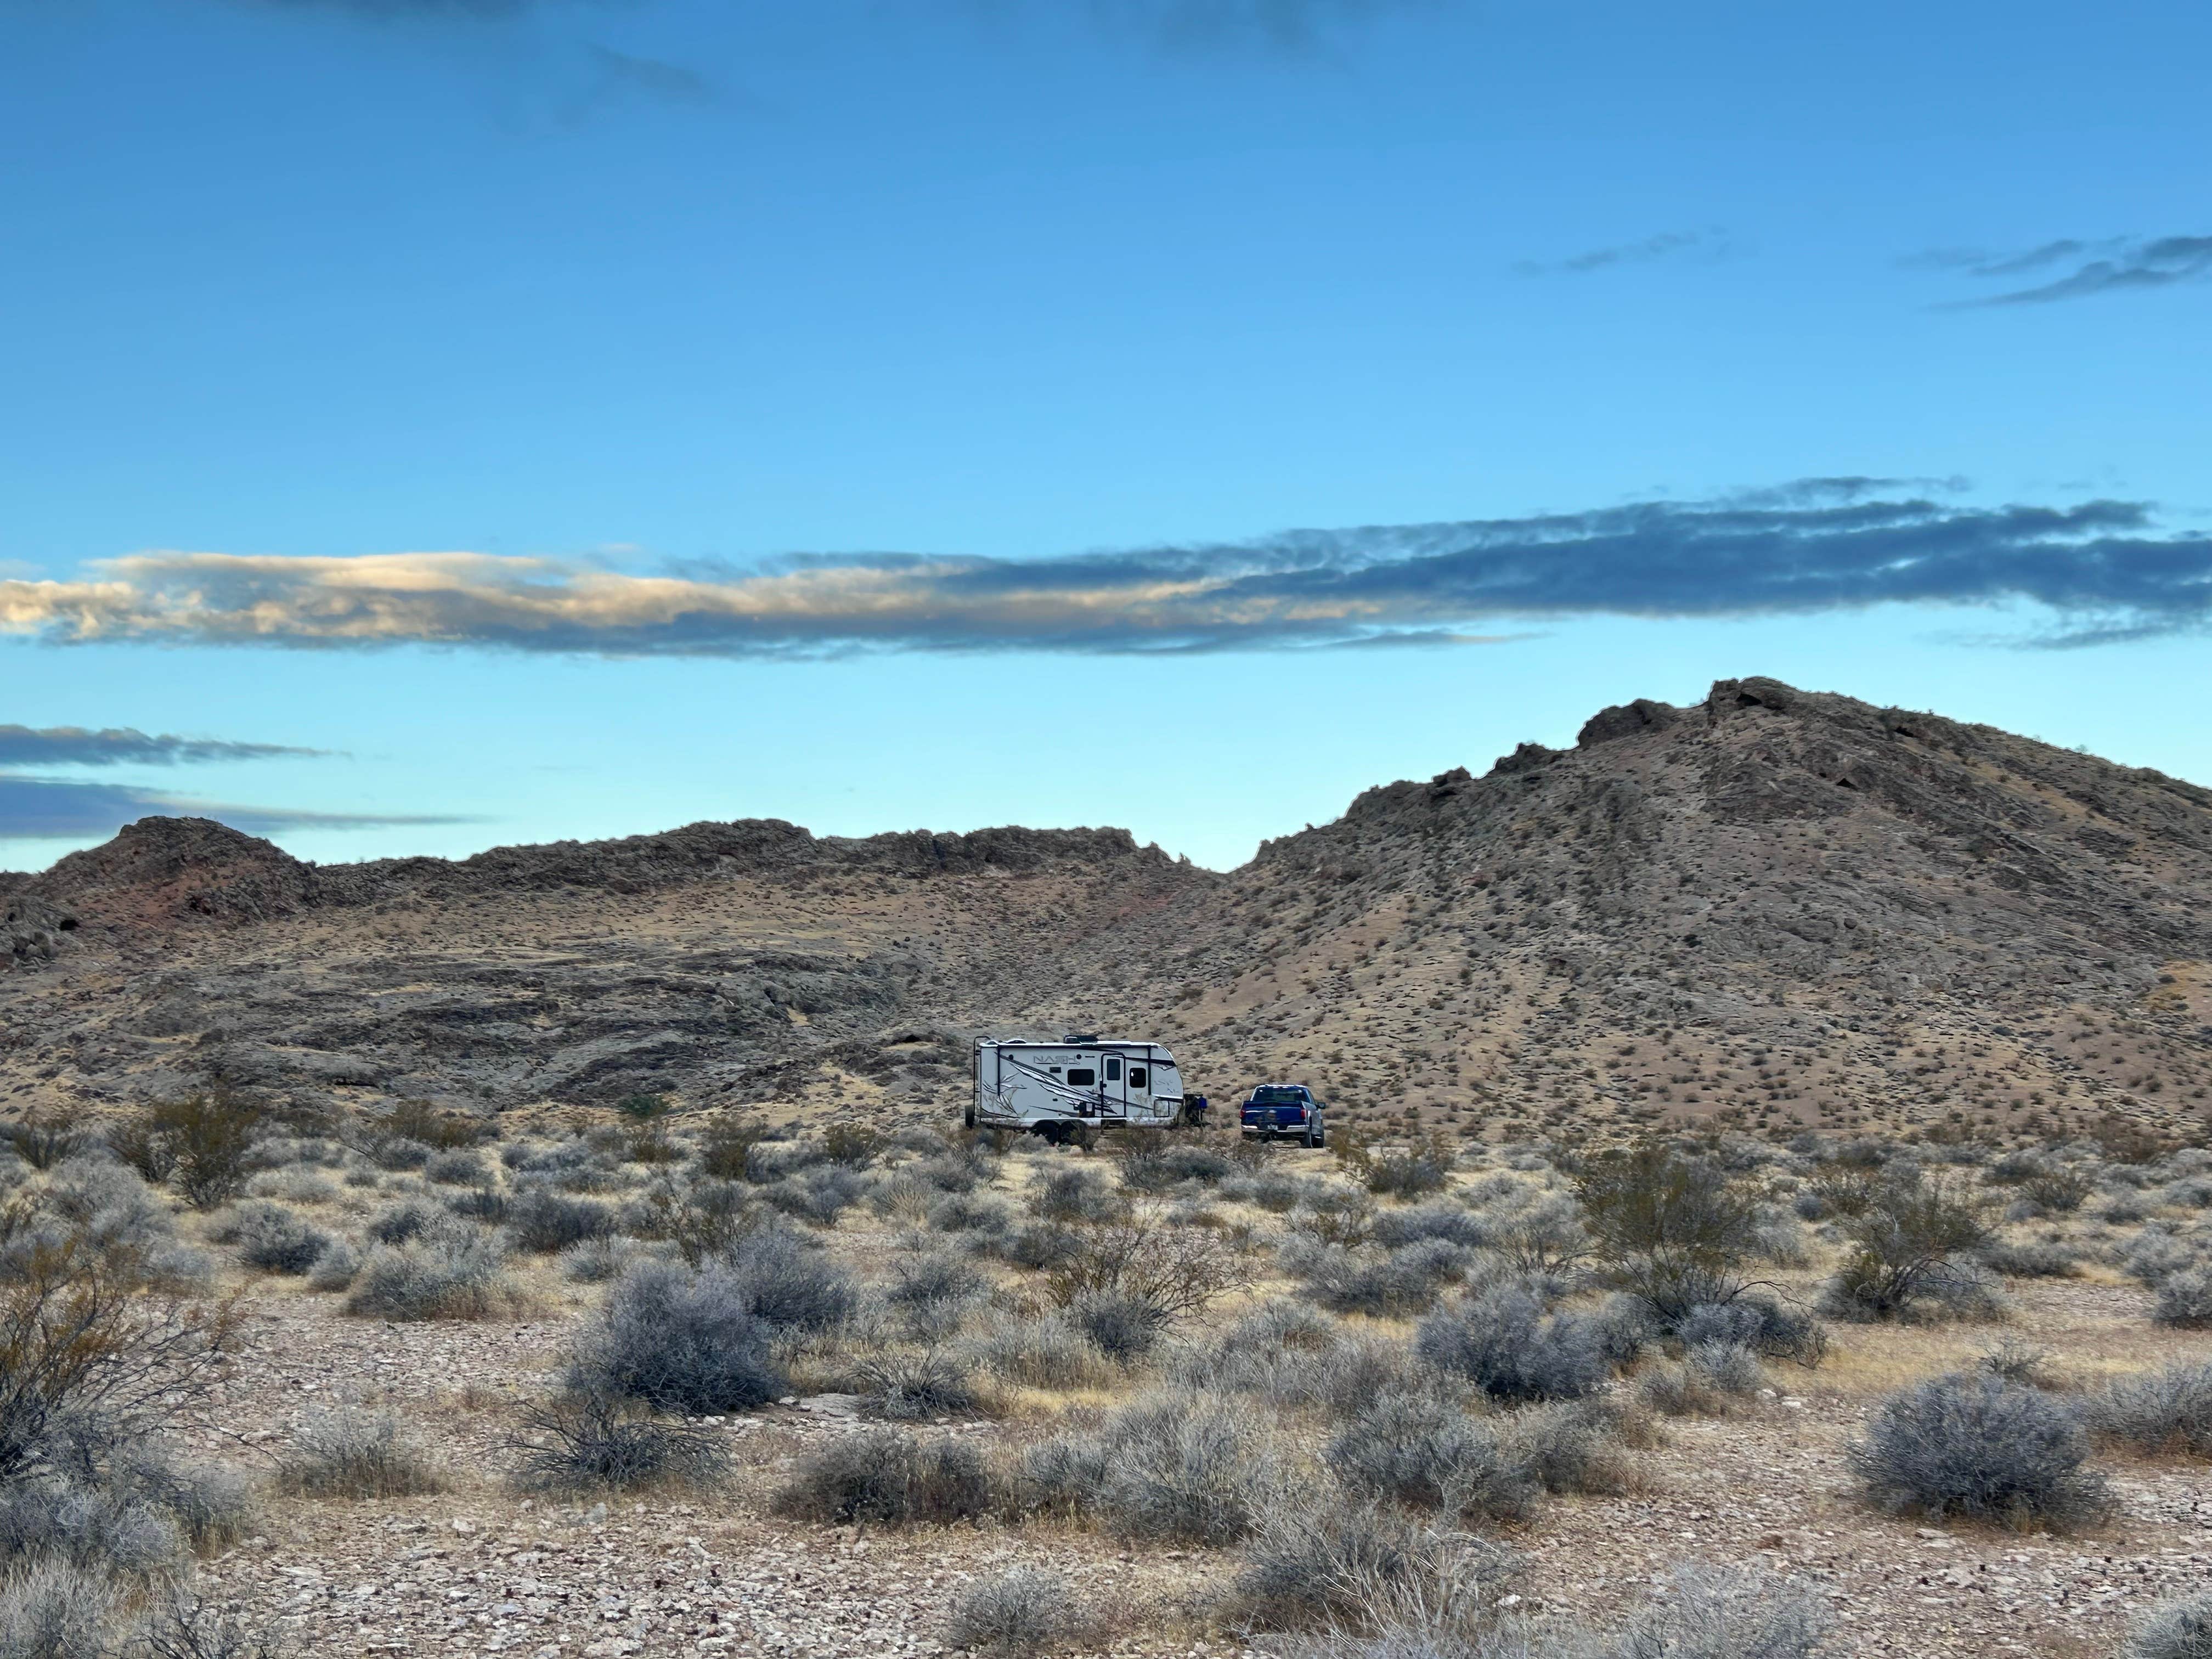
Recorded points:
1080,1037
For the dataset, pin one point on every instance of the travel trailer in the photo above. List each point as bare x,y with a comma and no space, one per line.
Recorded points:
1065,1089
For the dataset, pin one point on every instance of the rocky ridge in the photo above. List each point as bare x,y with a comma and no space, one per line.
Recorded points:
1775,907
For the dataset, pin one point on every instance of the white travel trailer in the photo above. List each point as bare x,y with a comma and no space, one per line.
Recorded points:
1064,1088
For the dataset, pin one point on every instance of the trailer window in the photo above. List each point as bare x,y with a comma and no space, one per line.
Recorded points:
1137,1077
1082,1077
1113,1069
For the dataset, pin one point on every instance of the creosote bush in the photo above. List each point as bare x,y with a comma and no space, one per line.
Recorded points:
1908,1243
1979,1446
1672,1230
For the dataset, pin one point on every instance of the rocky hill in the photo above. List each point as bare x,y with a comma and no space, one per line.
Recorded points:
1774,908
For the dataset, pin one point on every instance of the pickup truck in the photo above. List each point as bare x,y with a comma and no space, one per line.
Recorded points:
1275,1109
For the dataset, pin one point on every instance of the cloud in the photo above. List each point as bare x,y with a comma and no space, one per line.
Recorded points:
48,808
1283,25
1817,545
1712,245
73,745
2085,268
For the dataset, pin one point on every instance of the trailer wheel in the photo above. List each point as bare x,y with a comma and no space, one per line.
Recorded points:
968,1120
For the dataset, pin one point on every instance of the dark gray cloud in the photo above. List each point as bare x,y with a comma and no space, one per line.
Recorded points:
1709,245
1814,545
74,746
50,809
2077,269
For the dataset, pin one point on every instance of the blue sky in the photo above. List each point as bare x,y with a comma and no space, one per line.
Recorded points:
576,419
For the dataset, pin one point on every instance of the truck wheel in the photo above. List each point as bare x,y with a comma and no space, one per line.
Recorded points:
1315,1133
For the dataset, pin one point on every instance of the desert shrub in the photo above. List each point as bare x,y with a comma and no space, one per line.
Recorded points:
53,1609
42,1141
2031,1260
451,1275
1420,1448
1116,1324
2170,1410
544,1222
1672,1230
457,1168
678,1340
596,1442
1758,1323
1372,1280
272,1239
596,1260
1723,1612
1180,1466
1421,1165
2184,1299
1547,1237
1074,1195
703,1219
890,1477
1502,1341
2060,1190
291,1187
2181,1628
856,1146
1042,1353
1290,1353
1325,1560
420,1121
819,1194
1981,1447
334,1269
487,1203
1908,1242
1573,1447
1041,1244
397,1153
1730,1368
911,1383
1174,1271
180,1624
356,1453
209,1137
788,1284
962,1212
726,1151
408,1219
2154,1254
1015,1613
143,1148
1418,1222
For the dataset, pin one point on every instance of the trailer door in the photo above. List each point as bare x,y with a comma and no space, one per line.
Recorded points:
1114,1086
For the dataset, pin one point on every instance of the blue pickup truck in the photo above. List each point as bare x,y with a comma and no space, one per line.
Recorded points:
1278,1109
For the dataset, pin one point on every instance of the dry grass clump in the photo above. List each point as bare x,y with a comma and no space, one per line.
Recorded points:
458,1272
591,1442
890,1477
2166,1411
2179,1629
1015,1613
1178,1465
351,1453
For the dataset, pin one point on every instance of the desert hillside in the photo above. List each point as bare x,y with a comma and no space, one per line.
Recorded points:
1774,908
